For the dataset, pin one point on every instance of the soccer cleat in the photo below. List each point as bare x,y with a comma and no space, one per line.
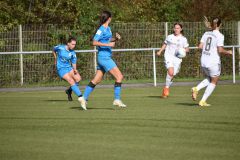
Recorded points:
119,103
69,94
203,104
83,103
194,93
165,92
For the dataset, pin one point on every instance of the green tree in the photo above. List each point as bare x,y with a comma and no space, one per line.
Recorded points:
226,10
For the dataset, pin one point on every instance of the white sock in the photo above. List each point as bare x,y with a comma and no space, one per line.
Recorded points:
203,84
210,88
168,81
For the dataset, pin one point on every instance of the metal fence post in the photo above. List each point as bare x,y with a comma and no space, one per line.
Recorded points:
154,69
239,45
233,59
166,29
95,60
21,55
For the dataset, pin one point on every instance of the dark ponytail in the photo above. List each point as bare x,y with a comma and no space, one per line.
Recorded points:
103,19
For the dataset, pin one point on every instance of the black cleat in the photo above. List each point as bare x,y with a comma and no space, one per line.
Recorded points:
69,93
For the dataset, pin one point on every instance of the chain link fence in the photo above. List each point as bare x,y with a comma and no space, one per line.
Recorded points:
136,65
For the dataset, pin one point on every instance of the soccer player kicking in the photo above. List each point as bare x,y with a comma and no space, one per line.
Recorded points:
104,42
211,43
65,61
171,45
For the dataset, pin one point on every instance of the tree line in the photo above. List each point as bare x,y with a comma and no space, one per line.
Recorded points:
84,13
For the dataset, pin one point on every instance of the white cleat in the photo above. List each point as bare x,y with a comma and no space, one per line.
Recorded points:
83,103
119,103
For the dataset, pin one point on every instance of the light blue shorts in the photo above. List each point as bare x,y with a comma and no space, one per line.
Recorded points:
63,71
105,64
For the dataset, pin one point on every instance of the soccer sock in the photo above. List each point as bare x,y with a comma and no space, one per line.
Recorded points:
90,87
117,90
168,81
203,84
76,90
69,89
210,88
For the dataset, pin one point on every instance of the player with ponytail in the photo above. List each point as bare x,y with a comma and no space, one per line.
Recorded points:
104,41
211,44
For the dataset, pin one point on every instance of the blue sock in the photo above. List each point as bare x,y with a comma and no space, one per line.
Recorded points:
117,90
89,89
76,90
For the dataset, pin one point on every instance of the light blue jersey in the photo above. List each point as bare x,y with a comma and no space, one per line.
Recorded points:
103,35
104,60
65,57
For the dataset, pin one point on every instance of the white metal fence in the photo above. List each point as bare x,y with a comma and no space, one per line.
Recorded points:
25,55
37,66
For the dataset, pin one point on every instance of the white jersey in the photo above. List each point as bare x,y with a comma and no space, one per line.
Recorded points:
211,40
173,43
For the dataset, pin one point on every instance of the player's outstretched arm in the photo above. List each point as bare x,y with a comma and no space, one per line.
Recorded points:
221,50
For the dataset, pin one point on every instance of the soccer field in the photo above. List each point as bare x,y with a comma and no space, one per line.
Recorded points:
43,125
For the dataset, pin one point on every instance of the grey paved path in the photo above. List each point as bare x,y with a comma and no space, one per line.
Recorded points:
59,88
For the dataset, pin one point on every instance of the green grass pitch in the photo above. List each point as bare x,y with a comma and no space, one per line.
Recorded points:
43,125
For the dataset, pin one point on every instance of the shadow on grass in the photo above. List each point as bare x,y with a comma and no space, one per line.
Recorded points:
158,97
187,104
56,100
79,108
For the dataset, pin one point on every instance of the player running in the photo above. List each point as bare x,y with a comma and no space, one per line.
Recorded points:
65,61
171,45
104,42
211,43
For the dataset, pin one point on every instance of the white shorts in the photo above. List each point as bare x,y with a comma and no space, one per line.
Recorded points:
213,71
176,64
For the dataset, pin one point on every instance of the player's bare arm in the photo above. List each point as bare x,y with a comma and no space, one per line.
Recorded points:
75,68
55,57
200,46
116,38
223,51
187,49
161,49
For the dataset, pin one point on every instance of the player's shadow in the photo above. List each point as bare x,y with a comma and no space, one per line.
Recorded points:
158,97
79,108
56,100
187,104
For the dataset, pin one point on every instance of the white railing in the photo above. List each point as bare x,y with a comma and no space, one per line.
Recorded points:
122,50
